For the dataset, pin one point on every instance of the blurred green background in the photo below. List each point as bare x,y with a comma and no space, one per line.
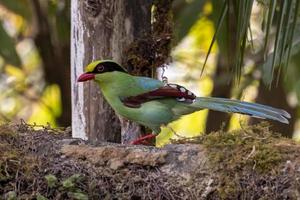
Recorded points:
35,61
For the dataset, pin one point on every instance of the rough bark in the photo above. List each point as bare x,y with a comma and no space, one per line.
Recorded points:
102,30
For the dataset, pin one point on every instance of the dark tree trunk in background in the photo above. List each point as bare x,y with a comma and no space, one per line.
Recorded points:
55,58
222,88
102,29
222,77
277,98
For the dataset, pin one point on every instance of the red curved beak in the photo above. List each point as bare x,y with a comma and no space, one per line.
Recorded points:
85,77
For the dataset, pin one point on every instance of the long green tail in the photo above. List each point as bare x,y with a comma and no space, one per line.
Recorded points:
235,106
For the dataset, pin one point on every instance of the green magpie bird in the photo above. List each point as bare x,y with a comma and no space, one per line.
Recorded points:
152,103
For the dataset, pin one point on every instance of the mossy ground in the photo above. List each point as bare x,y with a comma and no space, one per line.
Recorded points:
33,167
252,163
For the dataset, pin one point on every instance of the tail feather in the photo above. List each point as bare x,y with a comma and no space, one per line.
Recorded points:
235,106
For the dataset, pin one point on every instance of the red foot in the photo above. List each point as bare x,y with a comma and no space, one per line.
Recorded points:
142,140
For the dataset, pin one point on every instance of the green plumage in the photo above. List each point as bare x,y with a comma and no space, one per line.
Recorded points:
116,85
154,114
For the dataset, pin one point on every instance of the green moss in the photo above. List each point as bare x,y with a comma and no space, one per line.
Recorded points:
78,195
233,155
70,183
68,186
8,154
40,197
51,180
251,148
24,156
14,163
11,195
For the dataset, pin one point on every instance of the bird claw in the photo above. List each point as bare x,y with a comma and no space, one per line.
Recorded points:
143,140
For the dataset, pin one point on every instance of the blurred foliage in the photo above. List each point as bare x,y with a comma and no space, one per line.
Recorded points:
24,91
281,15
49,107
7,48
21,8
253,62
186,15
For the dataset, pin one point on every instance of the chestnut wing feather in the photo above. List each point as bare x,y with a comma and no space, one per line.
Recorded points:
178,92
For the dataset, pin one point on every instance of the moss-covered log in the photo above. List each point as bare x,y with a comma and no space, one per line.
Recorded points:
252,163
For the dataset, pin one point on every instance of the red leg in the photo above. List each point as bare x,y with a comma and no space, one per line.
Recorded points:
143,140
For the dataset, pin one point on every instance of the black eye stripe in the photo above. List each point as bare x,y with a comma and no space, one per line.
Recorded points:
99,68
107,67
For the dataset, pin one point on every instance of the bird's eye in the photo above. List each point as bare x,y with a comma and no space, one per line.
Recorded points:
100,68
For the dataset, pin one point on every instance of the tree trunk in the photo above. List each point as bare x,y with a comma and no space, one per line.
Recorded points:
222,88
102,29
222,77
55,57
